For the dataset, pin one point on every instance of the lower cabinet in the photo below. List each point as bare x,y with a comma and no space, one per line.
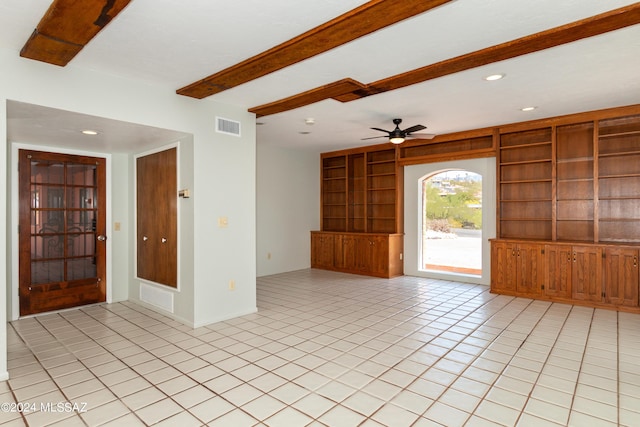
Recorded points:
589,274
322,250
518,267
370,254
621,279
586,273
558,271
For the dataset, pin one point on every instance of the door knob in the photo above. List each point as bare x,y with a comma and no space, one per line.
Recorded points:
102,237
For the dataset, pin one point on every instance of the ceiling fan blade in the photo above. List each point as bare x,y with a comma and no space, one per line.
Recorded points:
381,130
422,135
374,137
415,128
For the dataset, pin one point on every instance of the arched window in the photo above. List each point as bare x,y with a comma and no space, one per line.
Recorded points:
451,222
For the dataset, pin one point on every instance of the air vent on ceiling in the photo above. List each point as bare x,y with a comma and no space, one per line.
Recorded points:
229,127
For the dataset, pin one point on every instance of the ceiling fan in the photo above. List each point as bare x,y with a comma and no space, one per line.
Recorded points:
397,136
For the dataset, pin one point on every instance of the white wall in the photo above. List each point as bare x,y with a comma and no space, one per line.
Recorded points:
288,197
224,178
5,272
412,214
121,212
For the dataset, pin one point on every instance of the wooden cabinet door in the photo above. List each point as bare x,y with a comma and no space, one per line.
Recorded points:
503,266
346,252
322,250
530,268
362,253
378,255
558,271
586,273
157,217
621,276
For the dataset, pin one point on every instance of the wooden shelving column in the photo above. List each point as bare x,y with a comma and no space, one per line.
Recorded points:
334,193
381,191
525,175
574,182
618,171
356,214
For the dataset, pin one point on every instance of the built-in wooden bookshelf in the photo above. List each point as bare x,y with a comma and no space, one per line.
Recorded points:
361,215
359,192
571,182
571,189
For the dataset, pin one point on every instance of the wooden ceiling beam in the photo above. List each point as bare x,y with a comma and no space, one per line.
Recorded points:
67,26
363,20
578,30
589,27
312,96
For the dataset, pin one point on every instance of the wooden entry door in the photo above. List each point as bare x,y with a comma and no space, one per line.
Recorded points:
62,231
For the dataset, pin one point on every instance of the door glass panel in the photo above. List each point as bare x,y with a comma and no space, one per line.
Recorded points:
81,268
63,222
47,246
49,172
81,175
47,272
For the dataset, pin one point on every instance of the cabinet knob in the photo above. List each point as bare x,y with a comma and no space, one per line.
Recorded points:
163,240
145,238
635,261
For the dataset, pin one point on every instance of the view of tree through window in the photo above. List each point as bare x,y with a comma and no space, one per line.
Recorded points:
452,222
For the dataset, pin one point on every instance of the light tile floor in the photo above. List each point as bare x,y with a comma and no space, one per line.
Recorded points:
331,349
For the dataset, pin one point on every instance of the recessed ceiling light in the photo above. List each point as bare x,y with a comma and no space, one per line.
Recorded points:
89,132
528,108
493,77
310,121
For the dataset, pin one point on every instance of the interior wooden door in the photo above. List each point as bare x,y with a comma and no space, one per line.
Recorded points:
157,217
62,233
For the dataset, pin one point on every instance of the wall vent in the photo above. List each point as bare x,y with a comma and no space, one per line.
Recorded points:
156,297
226,126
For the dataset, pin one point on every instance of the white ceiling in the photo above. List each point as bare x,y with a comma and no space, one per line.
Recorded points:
162,42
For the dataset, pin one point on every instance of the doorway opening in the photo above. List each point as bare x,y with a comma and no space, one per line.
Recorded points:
451,222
